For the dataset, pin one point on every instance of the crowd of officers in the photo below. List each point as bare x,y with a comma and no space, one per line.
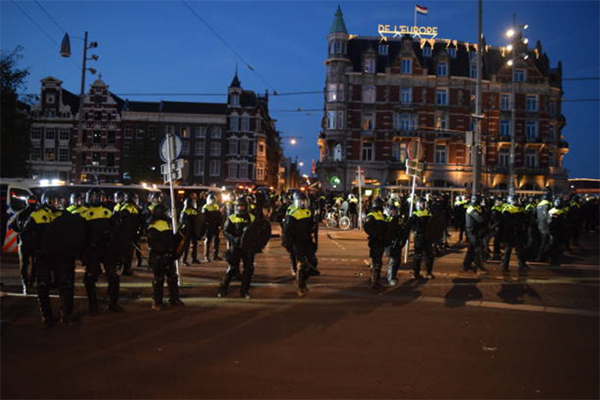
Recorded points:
105,235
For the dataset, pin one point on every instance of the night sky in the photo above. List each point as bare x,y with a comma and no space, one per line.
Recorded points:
162,48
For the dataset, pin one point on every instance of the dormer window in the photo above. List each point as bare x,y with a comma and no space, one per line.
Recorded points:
235,100
50,98
473,72
427,51
442,69
383,49
370,65
472,55
519,75
452,52
406,66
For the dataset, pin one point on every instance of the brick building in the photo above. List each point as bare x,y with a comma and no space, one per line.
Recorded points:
380,94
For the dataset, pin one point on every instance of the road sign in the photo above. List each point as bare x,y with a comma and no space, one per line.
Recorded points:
177,174
414,172
419,166
415,150
176,147
175,165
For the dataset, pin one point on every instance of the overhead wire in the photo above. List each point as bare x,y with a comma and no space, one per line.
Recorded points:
50,16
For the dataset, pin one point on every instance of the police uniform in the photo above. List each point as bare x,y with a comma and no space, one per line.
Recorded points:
300,235
475,226
557,223
212,215
394,250
293,259
494,230
188,220
514,233
128,223
543,227
233,231
25,248
418,223
375,227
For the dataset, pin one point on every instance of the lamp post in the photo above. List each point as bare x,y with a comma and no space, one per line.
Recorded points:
65,51
476,155
517,41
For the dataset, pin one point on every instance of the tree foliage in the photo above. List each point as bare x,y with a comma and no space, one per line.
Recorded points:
15,143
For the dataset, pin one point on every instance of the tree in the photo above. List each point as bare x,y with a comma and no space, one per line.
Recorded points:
15,143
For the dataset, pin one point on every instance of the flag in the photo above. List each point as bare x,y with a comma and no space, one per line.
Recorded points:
421,10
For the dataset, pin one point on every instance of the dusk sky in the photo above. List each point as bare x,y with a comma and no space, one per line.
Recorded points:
160,47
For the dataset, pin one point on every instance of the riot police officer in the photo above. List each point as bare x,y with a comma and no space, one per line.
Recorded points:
543,227
188,224
419,222
514,232
398,236
76,207
301,236
25,244
212,219
233,231
99,229
557,225
375,227
127,223
161,242
475,225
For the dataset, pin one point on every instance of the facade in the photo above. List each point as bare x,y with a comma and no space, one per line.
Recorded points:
381,94
52,131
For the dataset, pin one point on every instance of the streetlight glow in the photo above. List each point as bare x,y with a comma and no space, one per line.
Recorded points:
293,141
525,26
301,163
510,33
509,47
510,63
525,41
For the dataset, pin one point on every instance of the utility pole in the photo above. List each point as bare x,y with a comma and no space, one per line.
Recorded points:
513,119
476,149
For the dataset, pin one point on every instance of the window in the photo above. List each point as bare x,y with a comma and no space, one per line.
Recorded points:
260,172
185,148
232,170
198,167
244,147
183,131
215,168
473,71
111,137
440,154
36,133
531,103
367,151
531,130
337,152
406,66
63,135
141,133
50,98
405,122
258,124
337,47
531,158
245,124
519,75
110,159
472,55
452,52
243,171
335,120
505,127
50,113
369,65
427,51
441,97
551,132
50,134
96,159
505,102
129,132
235,100
97,137
368,94
50,154
215,149
442,69
368,121
233,147
504,157
406,95
396,151
200,132
335,92
97,115
199,148
36,153
383,49
441,122
234,123
152,132
261,149
215,132
552,107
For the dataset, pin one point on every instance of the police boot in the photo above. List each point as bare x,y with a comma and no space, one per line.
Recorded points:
216,256
25,286
45,306
293,264
174,299
90,288
113,294
246,280
157,294
224,287
392,272
375,275
66,305
301,281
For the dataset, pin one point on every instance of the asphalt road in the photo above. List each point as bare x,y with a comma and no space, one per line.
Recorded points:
457,336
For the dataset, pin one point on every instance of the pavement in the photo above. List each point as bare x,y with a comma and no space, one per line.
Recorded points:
461,335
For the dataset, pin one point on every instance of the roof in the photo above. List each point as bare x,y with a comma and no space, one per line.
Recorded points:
338,24
141,106
193,108
236,81
70,99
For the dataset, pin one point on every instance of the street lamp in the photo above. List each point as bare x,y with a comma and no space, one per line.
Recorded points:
293,141
301,164
517,43
65,51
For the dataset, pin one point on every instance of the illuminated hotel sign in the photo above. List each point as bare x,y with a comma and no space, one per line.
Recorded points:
399,30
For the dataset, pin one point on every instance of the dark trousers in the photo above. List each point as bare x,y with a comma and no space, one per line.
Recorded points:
163,266
544,246
212,236
556,248
96,258
394,254
27,278
307,262
59,271
234,257
423,249
520,249
376,254
193,242
474,251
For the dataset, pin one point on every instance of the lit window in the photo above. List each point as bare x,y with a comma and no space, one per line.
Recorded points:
335,92
183,131
368,121
406,66
442,69
50,154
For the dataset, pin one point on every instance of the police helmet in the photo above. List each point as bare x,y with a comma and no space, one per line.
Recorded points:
93,196
156,197
511,199
475,199
300,200
189,203
391,210
160,211
378,203
211,198
119,196
420,203
241,206
50,198
76,198
558,202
